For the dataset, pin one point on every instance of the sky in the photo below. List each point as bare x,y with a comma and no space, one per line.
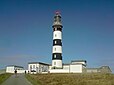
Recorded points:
26,31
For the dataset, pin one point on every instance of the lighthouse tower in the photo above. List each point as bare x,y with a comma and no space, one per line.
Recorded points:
57,42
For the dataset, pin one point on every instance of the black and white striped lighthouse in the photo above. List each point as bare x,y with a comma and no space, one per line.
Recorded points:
57,42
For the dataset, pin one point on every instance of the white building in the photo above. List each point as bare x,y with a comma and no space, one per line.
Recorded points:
102,69
38,67
12,68
74,67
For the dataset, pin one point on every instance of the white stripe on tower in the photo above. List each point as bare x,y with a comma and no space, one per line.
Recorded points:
57,42
57,35
57,49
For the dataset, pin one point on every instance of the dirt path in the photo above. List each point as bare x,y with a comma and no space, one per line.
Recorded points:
17,80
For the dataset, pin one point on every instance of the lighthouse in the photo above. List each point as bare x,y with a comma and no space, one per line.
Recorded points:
57,42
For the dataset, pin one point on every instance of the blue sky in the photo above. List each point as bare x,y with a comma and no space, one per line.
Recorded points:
26,31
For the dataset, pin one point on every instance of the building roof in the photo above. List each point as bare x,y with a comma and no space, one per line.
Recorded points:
38,63
104,67
15,66
100,67
66,64
77,64
74,64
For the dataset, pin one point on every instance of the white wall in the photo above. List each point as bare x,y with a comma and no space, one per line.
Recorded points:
50,67
22,71
32,67
57,35
10,69
66,67
59,71
79,63
57,49
76,68
71,68
57,63
39,68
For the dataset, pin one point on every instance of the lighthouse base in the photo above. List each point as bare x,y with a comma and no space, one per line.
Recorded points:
56,64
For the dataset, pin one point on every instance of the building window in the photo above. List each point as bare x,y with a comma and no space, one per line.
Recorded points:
33,66
30,66
54,63
55,56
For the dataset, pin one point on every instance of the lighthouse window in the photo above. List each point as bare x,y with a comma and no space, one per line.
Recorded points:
55,42
55,49
55,35
55,56
55,29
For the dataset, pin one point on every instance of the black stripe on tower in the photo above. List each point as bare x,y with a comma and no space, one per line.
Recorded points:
57,28
56,56
57,42
57,16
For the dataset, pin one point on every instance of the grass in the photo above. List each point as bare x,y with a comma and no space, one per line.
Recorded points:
33,80
71,79
2,71
3,77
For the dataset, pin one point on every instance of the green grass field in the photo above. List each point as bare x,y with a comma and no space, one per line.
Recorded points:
71,79
3,77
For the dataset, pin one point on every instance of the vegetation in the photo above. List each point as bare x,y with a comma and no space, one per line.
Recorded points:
32,79
2,71
71,79
3,77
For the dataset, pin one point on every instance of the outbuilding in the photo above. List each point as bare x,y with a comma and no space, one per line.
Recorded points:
12,68
37,67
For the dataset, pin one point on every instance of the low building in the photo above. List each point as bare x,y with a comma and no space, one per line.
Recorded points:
76,66
91,70
12,68
105,69
102,69
37,67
